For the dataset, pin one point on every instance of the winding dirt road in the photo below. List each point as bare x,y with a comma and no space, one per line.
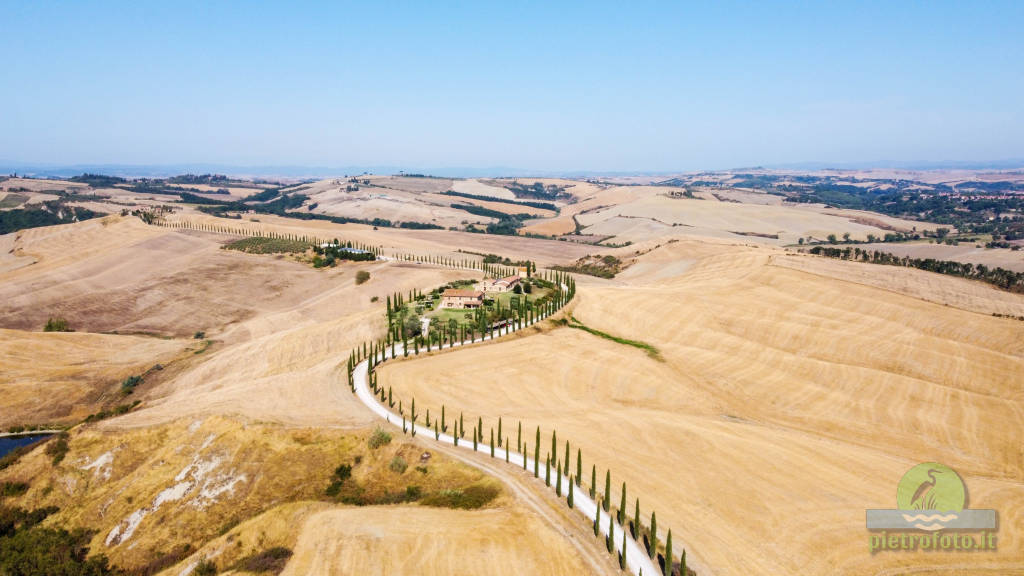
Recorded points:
637,560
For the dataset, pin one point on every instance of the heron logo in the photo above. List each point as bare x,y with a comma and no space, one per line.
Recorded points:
931,514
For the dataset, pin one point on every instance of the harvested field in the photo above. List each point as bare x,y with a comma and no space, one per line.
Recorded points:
788,402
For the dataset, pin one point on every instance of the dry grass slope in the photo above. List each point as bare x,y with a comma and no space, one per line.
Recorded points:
788,403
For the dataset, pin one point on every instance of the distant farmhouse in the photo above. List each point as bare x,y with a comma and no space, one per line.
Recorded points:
348,249
461,299
506,284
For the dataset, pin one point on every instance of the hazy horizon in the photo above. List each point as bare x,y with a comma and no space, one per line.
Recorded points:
585,88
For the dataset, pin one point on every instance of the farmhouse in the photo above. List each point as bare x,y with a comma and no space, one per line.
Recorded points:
462,299
499,284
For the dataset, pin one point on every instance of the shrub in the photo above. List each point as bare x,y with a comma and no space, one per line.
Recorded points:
271,560
199,335
58,448
205,568
398,465
10,489
413,493
343,472
362,276
379,438
129,383
56,325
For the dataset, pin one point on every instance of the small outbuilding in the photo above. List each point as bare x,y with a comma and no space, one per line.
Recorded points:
506,284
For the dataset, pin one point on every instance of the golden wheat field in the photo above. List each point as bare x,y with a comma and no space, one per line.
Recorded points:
788,394
785,403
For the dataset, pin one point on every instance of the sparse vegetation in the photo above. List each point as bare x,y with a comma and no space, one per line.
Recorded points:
57,448
470,498
262,245
398,465
117,411
205,568
362,276
128,384
651,350
1000,277
57,325
379,438
594,265
270,561
49,213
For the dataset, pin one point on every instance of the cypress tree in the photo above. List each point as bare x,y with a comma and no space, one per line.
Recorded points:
492,442
611,533
566,471
507,457
597,521
444,424
462,426
622,506
437,431
571,490
558,479
519,438
682,563
554,444
474,439
668,554
654,535
593,481
547,471
579,465
607,501
499,431
536,455
480,428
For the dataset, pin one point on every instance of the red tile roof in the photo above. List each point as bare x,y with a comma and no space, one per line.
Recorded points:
450,293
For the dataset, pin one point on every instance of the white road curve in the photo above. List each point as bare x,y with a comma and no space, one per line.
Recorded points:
637,560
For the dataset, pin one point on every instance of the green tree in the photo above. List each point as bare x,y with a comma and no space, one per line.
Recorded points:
607,500
669,563
554,443
571,490
536,455
611,533
558,479
547,471
593,481
654,535
622,506
579,465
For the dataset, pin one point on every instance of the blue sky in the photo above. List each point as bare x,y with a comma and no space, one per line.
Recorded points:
615,86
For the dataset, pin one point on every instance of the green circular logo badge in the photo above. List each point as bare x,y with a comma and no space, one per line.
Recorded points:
931,486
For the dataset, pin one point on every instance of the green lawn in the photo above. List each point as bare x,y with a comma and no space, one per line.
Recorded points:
465,317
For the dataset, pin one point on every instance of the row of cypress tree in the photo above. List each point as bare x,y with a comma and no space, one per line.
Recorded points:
377,352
